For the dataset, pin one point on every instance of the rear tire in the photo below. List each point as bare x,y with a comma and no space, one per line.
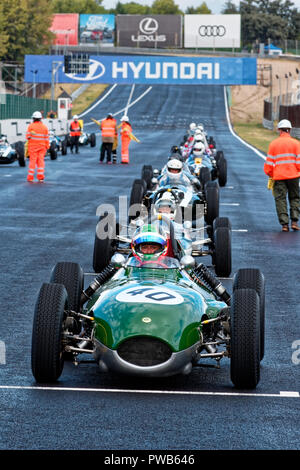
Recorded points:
21,153
222,171
147,175
64,147
245,339
93,140
53,151
138,190
222,252
47,358
212,201
252,278
105,245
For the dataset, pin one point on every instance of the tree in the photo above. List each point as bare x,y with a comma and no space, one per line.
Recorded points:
3,34
165,7
229,8
267,19
78,6
201,10
132,8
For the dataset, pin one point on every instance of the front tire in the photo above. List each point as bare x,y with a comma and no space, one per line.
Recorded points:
222,253
245,339
71,276
47,358
212,201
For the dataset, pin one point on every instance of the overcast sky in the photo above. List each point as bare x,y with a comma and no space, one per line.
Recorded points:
214,5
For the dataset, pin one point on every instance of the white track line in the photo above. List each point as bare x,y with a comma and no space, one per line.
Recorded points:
129,105
261,155
129,99
282,394
100,101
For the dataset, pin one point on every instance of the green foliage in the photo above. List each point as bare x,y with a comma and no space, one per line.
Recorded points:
25,28
229,8
267,19
78,6
165,7
201,10
131,8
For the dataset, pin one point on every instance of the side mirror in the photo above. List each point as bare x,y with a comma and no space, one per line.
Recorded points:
118,260
187,262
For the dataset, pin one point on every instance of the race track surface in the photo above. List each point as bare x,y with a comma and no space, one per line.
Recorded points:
42,224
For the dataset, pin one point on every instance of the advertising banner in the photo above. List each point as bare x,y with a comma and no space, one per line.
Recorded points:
65,27
161,70
212,31
95,29
149,31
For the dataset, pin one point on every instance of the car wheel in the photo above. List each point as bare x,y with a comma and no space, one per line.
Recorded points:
21,153
245,339
105,243
71,276
222,251
138,190
252,278
64,147
47,358
147,175
212,201
53,151
222,171
219,155
93,140
205,176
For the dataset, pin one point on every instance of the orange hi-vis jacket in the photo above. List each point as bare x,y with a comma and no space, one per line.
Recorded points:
126,130
75,128
38,136
109,128
283,159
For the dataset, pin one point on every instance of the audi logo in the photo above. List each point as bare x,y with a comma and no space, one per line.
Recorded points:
212,30
148,26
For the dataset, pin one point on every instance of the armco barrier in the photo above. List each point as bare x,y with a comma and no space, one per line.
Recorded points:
15,129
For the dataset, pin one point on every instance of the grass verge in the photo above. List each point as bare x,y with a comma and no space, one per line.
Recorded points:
255,134
87,98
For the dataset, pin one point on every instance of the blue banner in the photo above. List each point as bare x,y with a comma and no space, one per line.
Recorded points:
161,70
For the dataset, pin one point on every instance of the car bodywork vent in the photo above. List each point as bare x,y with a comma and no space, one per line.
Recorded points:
144,351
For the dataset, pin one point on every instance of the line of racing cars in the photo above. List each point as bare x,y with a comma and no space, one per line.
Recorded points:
154,310
11,152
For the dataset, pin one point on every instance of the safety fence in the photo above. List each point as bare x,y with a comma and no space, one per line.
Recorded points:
275,111
22,107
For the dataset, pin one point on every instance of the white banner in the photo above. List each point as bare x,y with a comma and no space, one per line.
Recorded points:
214,31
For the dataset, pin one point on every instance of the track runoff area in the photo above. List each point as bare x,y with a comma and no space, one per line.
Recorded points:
160,116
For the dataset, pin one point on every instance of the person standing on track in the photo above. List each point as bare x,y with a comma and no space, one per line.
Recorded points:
109,132
282,165
126,137
37,136
75,133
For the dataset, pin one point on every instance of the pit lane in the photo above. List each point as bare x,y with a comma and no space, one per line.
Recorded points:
44,224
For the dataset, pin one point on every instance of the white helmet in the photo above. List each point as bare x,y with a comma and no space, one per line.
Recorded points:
75,117
125,118
199,148
284,124
174,168
37,115
199,138
192,126
166,205
201,127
